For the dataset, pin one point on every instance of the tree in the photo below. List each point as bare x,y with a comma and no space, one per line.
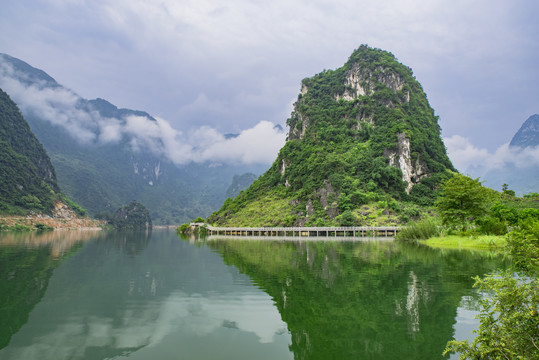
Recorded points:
462,199
507,191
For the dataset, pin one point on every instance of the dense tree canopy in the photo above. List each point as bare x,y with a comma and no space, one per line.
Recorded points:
463,200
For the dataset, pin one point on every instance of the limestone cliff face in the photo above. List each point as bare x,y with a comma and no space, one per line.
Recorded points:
361,81
298,132
147,169
401,157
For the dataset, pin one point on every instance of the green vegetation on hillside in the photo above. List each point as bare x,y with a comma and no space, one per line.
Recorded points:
345,144
27,178
103,177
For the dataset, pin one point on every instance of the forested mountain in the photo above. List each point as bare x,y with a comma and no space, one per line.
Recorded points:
106,157
359,134
27,177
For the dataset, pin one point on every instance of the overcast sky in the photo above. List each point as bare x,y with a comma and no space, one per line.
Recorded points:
231,64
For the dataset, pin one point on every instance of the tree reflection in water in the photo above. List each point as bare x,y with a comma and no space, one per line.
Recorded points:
369,300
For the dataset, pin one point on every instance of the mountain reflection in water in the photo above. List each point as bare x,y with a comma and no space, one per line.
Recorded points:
153,295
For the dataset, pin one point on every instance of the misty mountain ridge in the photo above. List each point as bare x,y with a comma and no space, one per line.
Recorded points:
88,121
528,134
106,109
98,121
27,74
521,170
105,156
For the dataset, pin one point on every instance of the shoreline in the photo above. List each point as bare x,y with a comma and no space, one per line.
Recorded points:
31,223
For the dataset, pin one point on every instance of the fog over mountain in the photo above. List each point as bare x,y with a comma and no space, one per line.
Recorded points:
106,156
97,122
92,122
515,163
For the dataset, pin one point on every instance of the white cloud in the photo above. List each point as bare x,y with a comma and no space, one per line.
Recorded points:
259,144
111,131
468,158
246,58
56,105
189,317
60,106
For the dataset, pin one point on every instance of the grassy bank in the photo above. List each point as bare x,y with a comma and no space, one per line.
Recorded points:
480,242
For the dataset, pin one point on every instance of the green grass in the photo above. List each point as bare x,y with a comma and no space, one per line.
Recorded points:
268,210
480,242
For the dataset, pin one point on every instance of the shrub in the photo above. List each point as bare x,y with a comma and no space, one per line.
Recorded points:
524,246
76,207
182,229
508,320
492,226
347,219
43,227
419,230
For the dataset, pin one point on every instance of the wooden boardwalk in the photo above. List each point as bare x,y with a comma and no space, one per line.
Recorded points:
324,231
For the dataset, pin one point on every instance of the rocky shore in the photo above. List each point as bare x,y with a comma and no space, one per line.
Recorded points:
63,218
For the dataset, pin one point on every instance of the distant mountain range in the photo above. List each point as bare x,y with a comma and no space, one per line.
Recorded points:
106,157
522,176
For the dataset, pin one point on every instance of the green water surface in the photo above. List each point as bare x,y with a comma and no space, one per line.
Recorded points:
108,295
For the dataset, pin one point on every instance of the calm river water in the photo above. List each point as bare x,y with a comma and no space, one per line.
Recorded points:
107,295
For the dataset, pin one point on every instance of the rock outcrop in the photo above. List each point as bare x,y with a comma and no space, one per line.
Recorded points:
134,216
401,158
361,81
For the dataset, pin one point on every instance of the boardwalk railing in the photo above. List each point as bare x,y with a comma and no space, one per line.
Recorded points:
325,231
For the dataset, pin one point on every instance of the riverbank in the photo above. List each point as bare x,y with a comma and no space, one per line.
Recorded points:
44,222
62,218
481,242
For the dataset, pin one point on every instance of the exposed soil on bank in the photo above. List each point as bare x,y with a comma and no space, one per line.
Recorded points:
63,218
